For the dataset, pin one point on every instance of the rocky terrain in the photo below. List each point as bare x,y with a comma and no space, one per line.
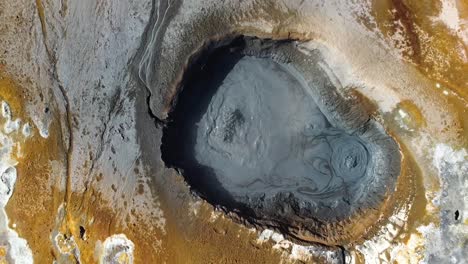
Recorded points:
92,93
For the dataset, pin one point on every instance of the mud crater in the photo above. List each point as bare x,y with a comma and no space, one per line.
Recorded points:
259,130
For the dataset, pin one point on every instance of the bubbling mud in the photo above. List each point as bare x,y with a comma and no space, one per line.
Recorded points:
260,130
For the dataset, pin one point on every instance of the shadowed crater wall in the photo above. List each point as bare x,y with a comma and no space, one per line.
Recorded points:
259,130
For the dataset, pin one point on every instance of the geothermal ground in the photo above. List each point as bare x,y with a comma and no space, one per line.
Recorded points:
279,131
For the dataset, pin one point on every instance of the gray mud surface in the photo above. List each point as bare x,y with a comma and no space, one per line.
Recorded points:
251,135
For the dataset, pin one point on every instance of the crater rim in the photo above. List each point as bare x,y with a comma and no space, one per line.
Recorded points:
313,229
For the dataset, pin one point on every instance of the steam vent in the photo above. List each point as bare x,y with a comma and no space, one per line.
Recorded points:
234,131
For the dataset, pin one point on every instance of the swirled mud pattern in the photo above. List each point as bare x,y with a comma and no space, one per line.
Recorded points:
262,135
251,135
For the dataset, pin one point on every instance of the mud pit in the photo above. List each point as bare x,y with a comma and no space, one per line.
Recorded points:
260,130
